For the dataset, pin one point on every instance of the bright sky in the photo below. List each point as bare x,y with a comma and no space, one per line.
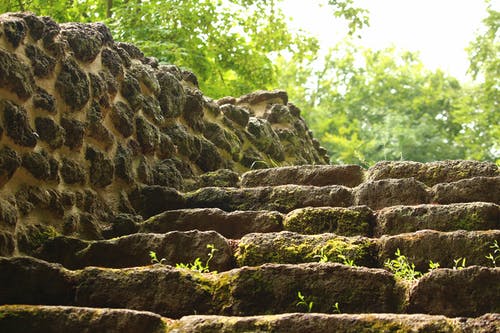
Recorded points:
439,29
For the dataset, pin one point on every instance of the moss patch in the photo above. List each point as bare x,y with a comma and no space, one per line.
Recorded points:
343,221
291,248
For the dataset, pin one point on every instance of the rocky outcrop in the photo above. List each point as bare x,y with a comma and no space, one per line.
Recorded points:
81,112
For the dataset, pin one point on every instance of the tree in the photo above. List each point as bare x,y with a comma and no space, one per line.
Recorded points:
228,44
366,105
480,118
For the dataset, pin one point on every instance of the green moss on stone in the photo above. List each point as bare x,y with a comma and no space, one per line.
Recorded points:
342,221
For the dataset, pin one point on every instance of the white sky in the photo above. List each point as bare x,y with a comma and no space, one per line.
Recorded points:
439,29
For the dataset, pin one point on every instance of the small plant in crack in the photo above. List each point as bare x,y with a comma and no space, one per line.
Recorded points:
496,253
303,302
154,258
336,308
433,265
402,268
459,263
323,257
198,265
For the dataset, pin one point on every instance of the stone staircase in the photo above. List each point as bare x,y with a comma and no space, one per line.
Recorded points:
296,249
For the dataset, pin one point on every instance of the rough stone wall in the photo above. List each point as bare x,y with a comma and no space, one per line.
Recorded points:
85,121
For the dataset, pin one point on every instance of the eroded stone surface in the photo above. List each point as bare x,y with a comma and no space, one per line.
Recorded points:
290,248
283,198
440,247
391,192
130,251
320,323
485,189
349,221
316,175
466,216
434,172
471,292
231,225
273,288
54,319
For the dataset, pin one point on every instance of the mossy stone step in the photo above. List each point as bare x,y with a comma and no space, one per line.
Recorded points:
433,173
316,175
346,221
466,216
376,194
419,247
284,198
133,250
345,323
266,289
231,225
56,319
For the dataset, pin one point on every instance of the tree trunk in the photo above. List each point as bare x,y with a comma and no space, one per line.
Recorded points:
109,7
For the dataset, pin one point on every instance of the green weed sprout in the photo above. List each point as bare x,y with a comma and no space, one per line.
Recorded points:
197,265
402,268
320,254
433,265
459,263
336,308
496,253
302,302
154,259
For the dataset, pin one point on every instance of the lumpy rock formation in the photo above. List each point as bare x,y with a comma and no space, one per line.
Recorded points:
109,159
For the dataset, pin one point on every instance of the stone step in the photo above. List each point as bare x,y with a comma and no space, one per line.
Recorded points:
419,248
432,173
345,323
345,221
231,225
171,248
55,319
316,175
266,289
375,194
284,198
284,247
466,216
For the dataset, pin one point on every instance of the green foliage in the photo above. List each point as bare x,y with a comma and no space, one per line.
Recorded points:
302,302
336,308
366,106
322,256
496,253
154,258
402,268
228,44
433,265
197,264
459,263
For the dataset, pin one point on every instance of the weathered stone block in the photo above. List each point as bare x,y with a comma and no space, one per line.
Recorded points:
391,192
316,175
434,172
467,216
469,292
350,221
231,225
486,189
